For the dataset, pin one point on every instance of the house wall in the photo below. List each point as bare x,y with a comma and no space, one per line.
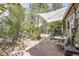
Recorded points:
73,18
77,12
69,22
76,39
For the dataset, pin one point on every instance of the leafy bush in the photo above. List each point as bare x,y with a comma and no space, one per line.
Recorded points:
11,24
32,31
53,25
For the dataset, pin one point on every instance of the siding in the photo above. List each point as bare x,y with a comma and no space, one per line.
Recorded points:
69,18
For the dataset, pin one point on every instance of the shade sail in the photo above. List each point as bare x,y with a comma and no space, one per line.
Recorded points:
54,15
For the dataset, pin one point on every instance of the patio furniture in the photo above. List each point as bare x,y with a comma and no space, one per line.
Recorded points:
62,42
59,38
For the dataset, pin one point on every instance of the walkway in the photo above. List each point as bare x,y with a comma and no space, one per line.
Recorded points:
45,48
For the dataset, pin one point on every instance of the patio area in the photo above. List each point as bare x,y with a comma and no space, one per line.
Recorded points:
45,47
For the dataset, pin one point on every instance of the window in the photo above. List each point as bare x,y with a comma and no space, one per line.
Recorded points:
68,24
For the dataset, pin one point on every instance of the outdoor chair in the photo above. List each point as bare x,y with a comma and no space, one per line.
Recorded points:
62,42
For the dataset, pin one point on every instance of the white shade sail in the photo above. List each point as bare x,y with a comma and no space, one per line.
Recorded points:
54,15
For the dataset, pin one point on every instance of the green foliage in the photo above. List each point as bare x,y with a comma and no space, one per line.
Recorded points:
11,24
32,27
53,25
2,8
56,6
39,7
34,32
